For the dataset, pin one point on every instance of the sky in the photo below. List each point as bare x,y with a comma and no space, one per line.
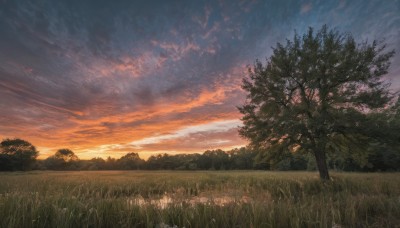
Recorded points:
105,78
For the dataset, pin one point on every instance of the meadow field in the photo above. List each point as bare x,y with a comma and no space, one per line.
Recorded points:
198,199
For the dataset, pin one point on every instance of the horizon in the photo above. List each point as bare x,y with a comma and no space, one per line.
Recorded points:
105,79
144,158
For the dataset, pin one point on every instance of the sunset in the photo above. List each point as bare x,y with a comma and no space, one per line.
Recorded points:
109,78
215,113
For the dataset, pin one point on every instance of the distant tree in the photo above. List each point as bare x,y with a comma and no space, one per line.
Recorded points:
93,164
17,154
165,161
241,158
384,148
130,161
54,163
110,163
154,162
315,92
218,158
185,161
67,155
63,159
204,162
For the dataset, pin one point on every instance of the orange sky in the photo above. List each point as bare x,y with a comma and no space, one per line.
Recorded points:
110,78
191,123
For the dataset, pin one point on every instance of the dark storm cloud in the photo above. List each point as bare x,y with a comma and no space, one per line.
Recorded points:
91,71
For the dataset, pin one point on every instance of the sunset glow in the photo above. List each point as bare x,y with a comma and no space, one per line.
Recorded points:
105,78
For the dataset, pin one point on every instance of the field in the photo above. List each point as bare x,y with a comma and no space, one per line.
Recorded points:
198,199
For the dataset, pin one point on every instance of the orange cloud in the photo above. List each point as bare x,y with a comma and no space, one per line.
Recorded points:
159,119
174,125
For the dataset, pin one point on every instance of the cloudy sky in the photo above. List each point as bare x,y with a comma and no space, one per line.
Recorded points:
104,78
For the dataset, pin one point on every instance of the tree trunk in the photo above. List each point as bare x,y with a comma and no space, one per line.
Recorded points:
321,164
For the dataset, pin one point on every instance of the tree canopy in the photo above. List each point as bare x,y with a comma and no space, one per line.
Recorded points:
317,94
66,154
63,159
17,154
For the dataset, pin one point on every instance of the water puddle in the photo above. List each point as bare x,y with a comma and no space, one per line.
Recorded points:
167,200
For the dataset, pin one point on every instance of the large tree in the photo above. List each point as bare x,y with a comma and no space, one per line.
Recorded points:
314,92
17,154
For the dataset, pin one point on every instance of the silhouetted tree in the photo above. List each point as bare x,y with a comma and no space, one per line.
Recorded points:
110,163
130,161
315,91
384,146
93,164
17,154
63,159
218,158
66,154
241,158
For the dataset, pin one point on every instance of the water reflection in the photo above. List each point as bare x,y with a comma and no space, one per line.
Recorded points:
167,200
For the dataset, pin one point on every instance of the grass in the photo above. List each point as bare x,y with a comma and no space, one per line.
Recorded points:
198,199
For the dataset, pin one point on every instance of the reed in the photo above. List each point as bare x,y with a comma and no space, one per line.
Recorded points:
198,199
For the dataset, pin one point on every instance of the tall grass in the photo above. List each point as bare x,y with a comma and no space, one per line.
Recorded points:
198,199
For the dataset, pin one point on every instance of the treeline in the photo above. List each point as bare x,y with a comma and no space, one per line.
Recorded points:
209,160
18,154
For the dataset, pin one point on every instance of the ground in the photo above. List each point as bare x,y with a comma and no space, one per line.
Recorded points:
198,199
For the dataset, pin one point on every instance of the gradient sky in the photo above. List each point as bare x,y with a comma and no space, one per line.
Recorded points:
104,78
